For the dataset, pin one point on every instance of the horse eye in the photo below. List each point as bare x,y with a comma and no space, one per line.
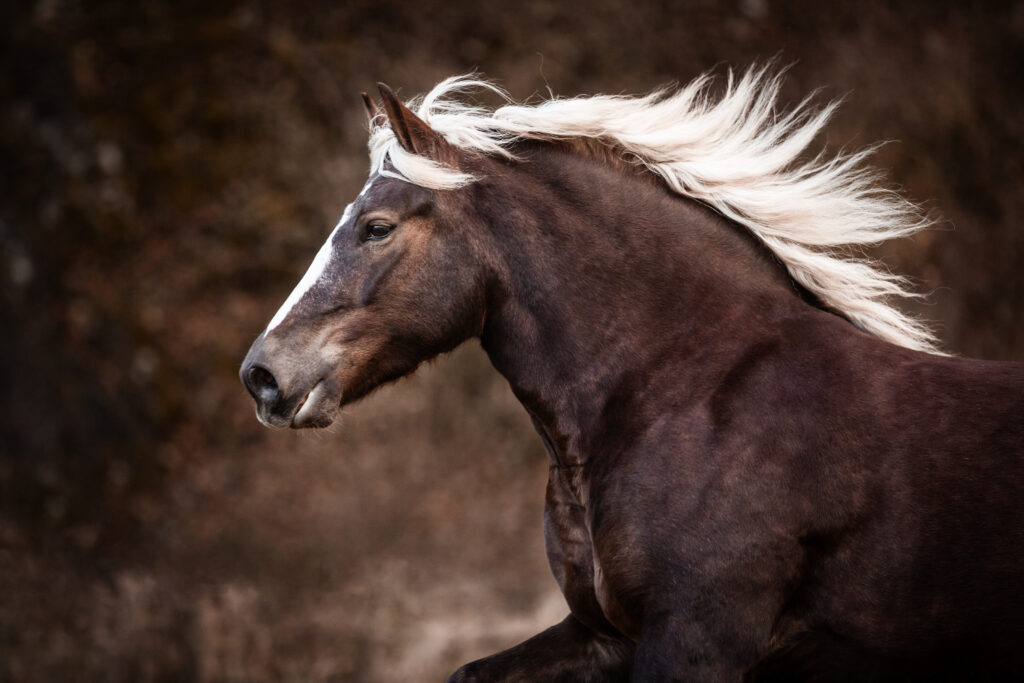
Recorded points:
378,231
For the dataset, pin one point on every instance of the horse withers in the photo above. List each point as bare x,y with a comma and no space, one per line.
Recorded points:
760,468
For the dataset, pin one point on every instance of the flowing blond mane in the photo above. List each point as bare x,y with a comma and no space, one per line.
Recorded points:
736,153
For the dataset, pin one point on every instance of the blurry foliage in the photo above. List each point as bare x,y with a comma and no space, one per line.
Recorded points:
169,168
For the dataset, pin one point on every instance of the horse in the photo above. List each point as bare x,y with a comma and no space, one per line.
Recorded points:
761,469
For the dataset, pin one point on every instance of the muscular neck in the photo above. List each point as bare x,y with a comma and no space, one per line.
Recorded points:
609,284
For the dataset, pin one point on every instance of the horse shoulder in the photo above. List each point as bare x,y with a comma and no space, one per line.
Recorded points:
811,481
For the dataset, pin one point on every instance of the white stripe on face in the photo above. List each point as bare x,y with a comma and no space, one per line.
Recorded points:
315,271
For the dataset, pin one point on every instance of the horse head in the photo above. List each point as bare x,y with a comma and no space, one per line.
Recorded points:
398,281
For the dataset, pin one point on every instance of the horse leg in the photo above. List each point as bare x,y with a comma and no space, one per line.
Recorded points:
567,652
822,656
675,649
667,654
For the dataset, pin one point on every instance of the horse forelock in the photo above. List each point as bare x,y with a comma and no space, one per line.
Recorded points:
735,152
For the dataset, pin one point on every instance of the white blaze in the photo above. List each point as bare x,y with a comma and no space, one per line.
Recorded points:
316,268
312,276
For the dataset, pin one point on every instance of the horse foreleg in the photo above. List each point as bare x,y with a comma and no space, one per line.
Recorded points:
568,651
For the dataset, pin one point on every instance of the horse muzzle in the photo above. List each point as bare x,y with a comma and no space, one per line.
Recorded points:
287,393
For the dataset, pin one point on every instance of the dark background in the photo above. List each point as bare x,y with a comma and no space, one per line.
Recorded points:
169,169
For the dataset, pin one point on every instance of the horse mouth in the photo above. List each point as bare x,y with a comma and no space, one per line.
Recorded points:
316,409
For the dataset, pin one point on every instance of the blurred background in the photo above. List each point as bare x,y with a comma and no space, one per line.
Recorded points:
167,172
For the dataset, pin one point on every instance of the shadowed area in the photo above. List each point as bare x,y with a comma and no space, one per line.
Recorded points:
170,169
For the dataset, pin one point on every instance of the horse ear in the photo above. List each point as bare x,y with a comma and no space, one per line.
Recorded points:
372,112
413,133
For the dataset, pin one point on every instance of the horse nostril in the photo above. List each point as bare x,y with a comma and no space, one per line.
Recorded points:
262,385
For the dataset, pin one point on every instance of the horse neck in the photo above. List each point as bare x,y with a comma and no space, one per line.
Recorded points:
609,283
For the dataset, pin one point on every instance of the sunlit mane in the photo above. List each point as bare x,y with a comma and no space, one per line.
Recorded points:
736,153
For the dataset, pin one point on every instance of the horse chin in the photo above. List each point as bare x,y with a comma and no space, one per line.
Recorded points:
317,410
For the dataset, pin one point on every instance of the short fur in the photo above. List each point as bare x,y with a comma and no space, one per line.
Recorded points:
742,484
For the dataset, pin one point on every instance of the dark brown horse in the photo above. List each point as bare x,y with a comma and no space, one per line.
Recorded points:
759,469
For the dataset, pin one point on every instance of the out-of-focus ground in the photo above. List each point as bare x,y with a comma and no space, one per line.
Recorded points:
168,170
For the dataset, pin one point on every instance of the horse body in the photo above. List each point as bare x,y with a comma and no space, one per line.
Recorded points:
826,474
741,482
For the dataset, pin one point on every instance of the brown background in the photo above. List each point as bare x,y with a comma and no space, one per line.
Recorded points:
168,171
